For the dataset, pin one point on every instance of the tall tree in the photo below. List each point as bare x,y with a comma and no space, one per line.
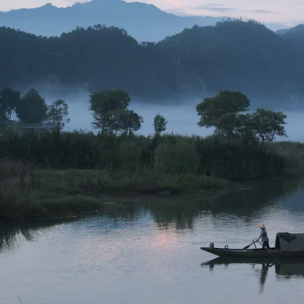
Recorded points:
222,111
8,102
267,124
105,104
129,121
31,108
159,124
58,112
111,114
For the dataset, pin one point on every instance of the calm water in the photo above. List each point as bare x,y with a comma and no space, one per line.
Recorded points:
149,252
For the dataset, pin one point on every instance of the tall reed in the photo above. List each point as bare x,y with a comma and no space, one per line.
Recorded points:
168,154
17,183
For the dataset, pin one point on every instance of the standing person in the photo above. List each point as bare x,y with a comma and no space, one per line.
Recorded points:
264,237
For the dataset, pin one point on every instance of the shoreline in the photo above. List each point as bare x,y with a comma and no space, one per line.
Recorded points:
75,193
59,207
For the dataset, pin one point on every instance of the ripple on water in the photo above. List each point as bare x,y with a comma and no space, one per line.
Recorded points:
152,254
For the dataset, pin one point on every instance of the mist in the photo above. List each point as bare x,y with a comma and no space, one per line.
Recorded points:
182,118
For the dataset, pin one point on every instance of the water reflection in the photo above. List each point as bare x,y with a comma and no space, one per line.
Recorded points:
183,211
10,234
285,269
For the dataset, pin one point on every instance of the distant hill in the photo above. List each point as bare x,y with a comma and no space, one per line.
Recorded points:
295,34
142,21
197,62
240,56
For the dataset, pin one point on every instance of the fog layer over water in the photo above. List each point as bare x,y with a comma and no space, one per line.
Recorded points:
182,118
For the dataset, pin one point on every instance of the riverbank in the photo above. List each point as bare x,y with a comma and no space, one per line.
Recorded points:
26,192
59,174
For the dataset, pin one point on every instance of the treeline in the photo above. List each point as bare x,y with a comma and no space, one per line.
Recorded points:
239,149
30,108
233,55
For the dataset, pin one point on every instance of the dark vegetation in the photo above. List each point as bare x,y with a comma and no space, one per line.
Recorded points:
233,55
53,173
31,108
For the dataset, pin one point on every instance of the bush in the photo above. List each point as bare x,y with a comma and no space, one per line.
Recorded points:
176,157
215,155
17,180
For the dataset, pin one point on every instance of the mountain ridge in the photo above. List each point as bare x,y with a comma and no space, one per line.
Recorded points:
143,21
198,62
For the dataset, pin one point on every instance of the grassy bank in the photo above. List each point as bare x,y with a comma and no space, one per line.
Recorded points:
232,159
57,174
26,192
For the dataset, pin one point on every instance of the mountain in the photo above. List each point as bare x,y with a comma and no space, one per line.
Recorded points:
142,21
240,56
294,35
198,62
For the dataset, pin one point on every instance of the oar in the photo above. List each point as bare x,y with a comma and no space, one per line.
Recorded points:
270,253
246,247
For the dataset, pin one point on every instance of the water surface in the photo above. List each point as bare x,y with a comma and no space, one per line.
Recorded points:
148,251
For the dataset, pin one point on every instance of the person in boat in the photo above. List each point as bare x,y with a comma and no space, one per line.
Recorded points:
264,237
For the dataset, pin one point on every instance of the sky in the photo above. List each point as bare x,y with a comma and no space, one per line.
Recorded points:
277,11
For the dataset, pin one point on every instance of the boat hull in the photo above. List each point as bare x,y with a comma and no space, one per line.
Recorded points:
252,253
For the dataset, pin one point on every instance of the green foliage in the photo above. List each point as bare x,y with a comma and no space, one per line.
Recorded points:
31,108
213,156
159,124
8,102
58,112
129,121
293,153
129,155
268,124
111,113
168,156
17,182
222,111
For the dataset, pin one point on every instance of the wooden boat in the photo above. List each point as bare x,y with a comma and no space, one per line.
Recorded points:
287,245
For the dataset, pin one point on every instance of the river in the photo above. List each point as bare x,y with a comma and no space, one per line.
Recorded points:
148,251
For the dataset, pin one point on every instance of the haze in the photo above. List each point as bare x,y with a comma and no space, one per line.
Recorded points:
182,118
287,12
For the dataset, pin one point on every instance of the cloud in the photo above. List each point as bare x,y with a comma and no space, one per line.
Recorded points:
177,11
214,7
175,3
261,12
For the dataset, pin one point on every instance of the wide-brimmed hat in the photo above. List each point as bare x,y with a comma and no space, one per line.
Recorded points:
262,226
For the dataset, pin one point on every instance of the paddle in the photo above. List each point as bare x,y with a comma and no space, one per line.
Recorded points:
270,253
246,247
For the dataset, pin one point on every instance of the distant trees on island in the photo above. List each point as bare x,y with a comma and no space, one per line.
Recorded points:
226,112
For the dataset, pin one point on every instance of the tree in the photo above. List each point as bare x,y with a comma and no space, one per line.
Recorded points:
31,108
267,124
129,121
105,105
222,111
8,102
111,113
58,112
159,124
